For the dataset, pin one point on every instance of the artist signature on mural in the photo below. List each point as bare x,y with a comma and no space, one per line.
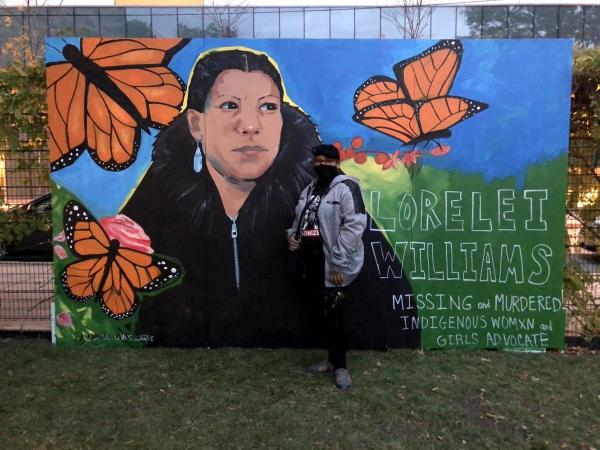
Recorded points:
81,338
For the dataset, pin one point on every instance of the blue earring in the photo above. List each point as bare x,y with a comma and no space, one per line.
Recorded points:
197,159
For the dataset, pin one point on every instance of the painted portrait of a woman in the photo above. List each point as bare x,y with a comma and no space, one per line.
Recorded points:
222,186
221,189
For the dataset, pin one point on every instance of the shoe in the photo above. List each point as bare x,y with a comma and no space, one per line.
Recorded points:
343,380
321,367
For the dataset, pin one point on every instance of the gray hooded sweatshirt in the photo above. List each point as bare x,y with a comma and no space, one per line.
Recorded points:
342,221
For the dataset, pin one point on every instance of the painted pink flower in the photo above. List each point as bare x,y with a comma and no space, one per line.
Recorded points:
127,232
392,162
64,320
440,150
410,158
60,237
60,252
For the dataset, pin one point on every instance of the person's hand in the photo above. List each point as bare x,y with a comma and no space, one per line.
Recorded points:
293,244
336,278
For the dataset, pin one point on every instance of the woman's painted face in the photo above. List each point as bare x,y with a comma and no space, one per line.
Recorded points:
240,128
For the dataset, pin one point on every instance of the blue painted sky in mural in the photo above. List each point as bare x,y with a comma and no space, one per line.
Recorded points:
525,82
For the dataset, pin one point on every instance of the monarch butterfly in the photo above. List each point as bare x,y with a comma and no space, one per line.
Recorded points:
110,273
105,93
416,106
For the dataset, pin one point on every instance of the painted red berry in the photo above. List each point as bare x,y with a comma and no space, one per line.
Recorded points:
360,157
357,142
381,158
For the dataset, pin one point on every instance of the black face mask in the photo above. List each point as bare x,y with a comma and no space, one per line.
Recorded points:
326,173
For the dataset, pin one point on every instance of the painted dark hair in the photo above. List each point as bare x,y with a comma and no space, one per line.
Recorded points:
172,171
210,66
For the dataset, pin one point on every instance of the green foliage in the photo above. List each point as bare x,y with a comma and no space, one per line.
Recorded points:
22,132
23,106
22,125
584,181
585,100
585,123
16,224
580,300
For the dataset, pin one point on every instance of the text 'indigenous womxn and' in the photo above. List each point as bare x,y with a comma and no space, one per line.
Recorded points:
461,320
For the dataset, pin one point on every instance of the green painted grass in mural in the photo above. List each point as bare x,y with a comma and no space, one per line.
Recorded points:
485,258
165,398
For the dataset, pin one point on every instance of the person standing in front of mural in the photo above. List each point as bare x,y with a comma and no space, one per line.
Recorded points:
327,231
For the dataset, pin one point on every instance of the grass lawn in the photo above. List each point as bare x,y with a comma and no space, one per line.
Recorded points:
167,398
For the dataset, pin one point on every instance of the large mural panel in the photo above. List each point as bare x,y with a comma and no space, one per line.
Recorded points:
176,166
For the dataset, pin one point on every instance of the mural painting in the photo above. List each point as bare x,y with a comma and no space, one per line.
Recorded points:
171,197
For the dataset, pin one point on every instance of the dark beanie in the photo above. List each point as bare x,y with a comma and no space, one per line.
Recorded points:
326,150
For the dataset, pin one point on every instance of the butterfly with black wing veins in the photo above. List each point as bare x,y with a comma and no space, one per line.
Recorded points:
104,93
105,270
416,106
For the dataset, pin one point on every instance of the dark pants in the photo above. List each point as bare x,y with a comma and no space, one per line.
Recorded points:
331,300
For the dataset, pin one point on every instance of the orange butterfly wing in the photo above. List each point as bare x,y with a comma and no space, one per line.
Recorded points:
396,118
113,135
107,272
118,52
129,88
125,275
86,239
431,73
118,300
66,99
375,90
130,272
136,68
153,89
81,280
439,114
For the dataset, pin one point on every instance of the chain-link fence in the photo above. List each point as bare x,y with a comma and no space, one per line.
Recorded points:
582,278
26,282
